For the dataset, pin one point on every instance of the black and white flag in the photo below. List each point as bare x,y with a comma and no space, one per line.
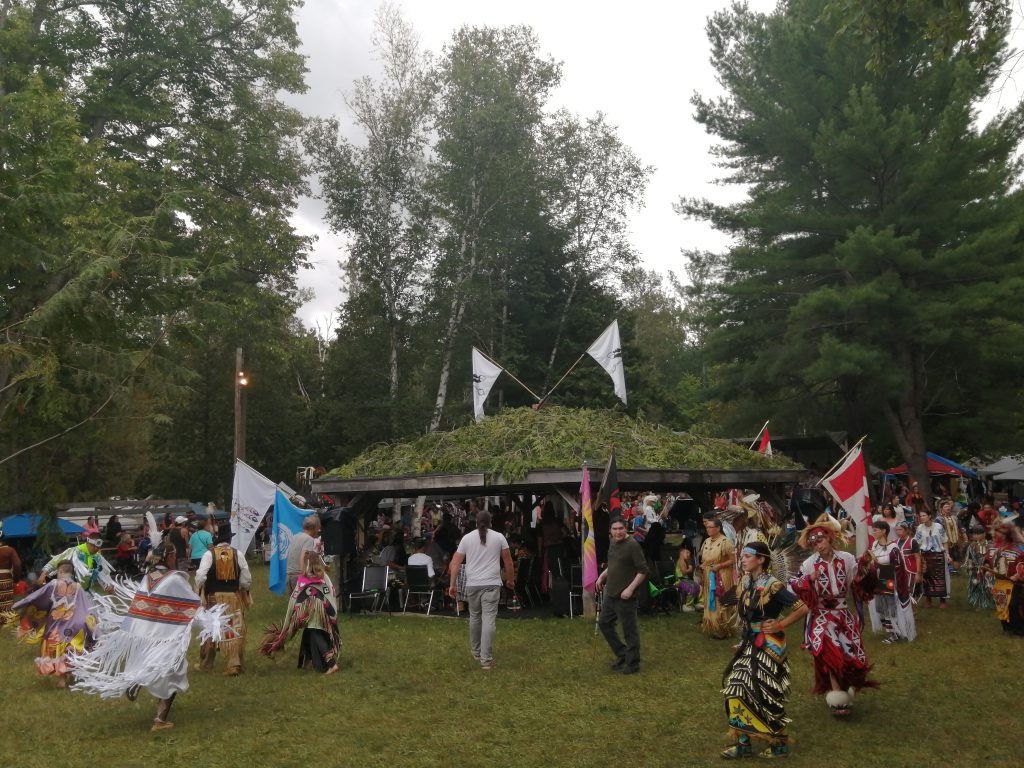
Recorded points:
484,374
607,351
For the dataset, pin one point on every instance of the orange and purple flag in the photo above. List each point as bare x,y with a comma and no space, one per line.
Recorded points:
589,544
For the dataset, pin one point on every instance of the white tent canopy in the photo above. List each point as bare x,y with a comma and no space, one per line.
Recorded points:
1004,465
1013,476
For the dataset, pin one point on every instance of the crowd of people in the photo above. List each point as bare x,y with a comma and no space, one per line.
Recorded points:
102,633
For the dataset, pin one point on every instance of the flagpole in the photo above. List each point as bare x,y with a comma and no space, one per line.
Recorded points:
841,460
506,370
571,368
758,435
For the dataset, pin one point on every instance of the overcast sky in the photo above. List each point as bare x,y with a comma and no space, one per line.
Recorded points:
639,63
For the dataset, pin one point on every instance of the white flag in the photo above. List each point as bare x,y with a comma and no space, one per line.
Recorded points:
484,374
607,350
251,496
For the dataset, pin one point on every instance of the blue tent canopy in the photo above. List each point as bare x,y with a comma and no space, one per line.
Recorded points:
24,526
937,465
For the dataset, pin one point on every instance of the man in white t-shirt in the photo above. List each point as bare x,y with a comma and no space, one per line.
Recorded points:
298,546
484,552
420,557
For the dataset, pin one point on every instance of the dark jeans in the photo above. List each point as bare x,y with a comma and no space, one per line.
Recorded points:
614,609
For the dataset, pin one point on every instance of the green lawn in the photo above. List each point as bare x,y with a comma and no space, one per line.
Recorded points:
409,694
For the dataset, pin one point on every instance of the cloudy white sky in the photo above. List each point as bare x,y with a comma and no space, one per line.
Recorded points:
639,63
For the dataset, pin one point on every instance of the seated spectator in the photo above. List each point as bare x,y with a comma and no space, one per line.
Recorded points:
393,555
422,557
124,559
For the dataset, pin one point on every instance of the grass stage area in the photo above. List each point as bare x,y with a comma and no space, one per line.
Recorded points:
409,694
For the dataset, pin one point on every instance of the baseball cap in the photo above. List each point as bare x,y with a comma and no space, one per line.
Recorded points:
181,519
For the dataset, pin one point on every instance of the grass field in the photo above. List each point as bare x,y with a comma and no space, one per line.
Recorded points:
409,694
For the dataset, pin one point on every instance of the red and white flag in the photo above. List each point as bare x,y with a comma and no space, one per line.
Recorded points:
766,444
849,484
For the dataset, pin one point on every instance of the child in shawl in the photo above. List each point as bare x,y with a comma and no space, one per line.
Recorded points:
58,618
313,609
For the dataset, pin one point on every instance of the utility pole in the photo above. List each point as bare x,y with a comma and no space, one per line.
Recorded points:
241,381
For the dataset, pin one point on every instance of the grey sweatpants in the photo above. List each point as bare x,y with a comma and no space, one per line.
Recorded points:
483,613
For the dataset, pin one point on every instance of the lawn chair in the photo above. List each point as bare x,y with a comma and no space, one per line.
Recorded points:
524,588
662,587
376,580
418,582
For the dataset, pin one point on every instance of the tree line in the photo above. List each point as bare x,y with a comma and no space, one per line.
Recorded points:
148,170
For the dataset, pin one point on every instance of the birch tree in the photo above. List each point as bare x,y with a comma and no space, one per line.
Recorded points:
595,182
375,191
492,86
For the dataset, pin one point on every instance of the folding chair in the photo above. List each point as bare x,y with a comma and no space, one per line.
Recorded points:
662,586
524,574
417,582
376,579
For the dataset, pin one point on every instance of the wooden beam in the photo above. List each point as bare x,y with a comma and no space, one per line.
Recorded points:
569,498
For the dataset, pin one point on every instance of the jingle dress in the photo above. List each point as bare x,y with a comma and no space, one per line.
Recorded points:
756,680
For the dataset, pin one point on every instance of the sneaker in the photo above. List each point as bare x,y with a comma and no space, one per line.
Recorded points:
688,609
617,665
488,667
161,725
891,640
629,670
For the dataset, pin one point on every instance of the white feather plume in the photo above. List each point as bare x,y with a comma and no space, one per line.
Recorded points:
155,536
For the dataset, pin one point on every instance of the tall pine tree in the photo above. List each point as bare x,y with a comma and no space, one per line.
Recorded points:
879,246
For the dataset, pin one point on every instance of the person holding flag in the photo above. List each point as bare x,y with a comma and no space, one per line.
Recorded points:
626,571
827,580
295,531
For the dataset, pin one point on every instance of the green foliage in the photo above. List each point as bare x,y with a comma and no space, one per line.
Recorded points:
882,226
148,170
518,440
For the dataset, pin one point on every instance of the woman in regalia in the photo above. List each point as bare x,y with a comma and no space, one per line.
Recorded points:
58,617
979,581
717,563
892,609
1005,561
313,610
756,681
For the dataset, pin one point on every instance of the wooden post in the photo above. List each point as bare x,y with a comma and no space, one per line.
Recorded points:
240,383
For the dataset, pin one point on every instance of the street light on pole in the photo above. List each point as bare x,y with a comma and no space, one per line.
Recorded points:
241,382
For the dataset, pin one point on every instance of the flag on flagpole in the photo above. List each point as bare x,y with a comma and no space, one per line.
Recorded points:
484,374
251,496
589,543
609,491
287,522
766,443
848,483
607,351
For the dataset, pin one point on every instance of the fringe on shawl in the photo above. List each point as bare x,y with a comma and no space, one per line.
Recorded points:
121,659
299,618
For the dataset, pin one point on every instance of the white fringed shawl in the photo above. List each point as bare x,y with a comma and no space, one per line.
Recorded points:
150,646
